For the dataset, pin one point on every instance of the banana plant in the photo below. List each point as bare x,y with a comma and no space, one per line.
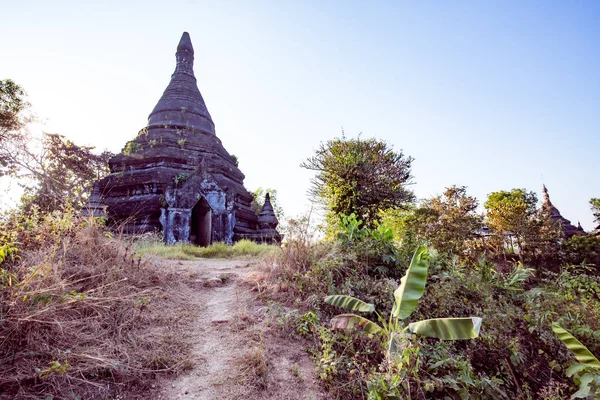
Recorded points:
406,297
586,373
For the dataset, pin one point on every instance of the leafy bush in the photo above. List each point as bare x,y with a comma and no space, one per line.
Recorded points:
374,247
581,249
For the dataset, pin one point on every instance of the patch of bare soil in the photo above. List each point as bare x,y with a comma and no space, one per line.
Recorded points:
238,353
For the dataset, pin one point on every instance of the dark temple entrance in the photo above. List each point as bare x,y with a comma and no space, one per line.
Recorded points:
200,232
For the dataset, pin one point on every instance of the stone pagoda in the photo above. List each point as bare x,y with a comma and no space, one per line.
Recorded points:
568,229
176,176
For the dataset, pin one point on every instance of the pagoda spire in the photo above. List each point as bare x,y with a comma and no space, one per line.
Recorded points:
267,218
181,105
567,228
185,55
546,200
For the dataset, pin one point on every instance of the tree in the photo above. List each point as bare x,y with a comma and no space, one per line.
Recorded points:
360,176
595,206
510,211
515,213
13,118
447,222
55,172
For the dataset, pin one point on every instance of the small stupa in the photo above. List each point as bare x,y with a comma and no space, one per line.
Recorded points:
567,228
177,177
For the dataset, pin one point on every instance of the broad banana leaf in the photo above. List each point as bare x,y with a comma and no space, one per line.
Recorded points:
412,285
447,328
349,303
582,354
348,321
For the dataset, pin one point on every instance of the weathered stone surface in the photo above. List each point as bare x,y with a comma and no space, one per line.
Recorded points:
176,176
94,206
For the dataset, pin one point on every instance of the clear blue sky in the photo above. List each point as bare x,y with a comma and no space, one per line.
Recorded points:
491,95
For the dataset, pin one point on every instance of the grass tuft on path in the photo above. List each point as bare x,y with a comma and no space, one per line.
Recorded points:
243,248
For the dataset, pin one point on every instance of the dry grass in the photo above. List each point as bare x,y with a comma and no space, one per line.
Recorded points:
243,248
82,316
254,367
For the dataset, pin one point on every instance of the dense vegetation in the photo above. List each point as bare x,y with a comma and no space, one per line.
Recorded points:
516,355
520,276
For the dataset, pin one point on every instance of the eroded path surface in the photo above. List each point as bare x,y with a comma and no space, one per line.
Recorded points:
238,351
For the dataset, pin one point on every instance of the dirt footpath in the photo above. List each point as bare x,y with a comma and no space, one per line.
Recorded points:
239,352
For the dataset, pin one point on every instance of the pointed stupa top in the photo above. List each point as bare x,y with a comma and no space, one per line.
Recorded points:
267,218
568,228
546,200
181,104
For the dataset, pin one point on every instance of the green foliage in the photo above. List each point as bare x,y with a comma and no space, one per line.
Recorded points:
132,147
515,356
235,160
181,177
446,223
360,176
8,252
349,321
574,282
447,328
412,285
586,373
515,279
581,249
349,303
595,206
509,211
514,215
306,324
351,229
182,251
375,246
13,105
55,173
181,143
406,297
60,174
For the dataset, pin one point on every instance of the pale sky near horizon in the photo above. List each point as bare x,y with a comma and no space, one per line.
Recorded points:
490,95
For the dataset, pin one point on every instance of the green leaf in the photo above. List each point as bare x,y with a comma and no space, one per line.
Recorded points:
348,321
412,285
581,353
349,303
447,328
584,387
575,369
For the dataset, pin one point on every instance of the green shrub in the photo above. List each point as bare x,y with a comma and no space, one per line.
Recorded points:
581,249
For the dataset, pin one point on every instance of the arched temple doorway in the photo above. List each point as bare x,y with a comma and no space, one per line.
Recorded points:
200,232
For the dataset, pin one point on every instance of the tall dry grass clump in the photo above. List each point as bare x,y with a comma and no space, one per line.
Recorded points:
81,316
